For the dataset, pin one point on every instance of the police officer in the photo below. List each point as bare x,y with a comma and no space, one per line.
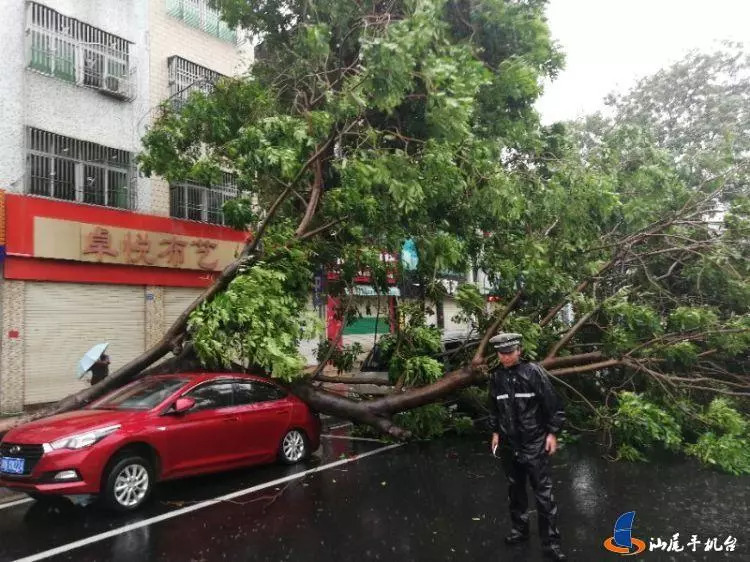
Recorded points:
525,415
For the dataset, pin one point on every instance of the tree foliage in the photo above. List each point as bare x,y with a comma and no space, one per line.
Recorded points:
696,110
365,124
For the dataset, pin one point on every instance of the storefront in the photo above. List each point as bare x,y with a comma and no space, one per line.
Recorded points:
76,275
375,310
450,309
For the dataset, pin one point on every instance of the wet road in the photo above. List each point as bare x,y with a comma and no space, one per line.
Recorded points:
443,500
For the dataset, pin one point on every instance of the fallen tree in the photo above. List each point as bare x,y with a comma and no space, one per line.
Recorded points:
366,124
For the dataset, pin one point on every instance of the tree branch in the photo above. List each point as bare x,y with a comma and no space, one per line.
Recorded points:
312,205
415,397
587,368
570,333
323,228
571,360
351,380
479,353
329,403
580,288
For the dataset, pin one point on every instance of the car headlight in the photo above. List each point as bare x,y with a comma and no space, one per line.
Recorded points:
81,440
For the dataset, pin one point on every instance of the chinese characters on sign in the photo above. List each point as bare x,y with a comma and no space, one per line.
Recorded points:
138,251
204,249
117,245
99,242
174,252
711,544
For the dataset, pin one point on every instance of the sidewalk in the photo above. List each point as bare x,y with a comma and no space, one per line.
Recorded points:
7,495
6,424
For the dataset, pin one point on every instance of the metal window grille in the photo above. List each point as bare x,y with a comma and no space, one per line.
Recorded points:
66,168
77,52
193,201
199,14
186,77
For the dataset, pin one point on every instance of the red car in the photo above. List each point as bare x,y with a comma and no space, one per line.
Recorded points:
158,428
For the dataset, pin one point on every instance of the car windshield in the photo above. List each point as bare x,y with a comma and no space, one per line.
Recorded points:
141,395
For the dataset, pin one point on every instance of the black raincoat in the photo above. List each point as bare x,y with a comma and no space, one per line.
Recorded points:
524,409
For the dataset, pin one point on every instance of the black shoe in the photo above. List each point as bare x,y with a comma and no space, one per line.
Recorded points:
554,552
516,537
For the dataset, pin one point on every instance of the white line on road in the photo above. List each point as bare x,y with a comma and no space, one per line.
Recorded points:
339,426
182,511
16,502
350,438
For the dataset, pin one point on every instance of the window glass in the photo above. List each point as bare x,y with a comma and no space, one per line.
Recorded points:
142,395
452,346
213,395
254,392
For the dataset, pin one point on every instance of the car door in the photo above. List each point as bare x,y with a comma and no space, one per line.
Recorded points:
202,439
265,413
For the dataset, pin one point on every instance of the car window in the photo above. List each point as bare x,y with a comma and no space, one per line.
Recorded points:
453,345
141,395
212,395
457,351
254,392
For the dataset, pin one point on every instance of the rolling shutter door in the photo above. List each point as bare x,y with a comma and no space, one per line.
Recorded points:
176,300
450,309
63,321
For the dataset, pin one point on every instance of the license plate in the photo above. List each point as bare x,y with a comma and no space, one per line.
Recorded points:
11,465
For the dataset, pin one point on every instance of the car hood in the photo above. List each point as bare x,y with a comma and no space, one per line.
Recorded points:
69,423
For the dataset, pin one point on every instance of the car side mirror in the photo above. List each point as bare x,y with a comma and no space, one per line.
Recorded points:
182,405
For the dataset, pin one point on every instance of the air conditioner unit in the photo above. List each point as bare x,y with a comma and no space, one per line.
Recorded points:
115,86
108,74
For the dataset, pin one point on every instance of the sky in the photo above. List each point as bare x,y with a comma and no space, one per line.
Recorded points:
610,44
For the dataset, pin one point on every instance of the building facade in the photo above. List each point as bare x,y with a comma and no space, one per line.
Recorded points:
93,251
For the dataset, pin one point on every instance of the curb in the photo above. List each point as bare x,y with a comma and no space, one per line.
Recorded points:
5,424
7,496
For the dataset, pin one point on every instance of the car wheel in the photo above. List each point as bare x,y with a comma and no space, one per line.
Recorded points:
293,447
128,483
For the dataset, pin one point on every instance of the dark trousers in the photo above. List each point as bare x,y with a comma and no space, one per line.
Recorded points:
537,471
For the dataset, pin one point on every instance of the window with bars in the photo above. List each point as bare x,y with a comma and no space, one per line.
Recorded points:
67,168
76,52
193,201
186,77
199,14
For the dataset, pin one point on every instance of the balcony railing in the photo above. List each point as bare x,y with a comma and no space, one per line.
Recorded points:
73,51
66,168
186,77
198,14
193,201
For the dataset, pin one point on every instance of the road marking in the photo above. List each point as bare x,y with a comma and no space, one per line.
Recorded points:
16,502
339,426
350,438
189,509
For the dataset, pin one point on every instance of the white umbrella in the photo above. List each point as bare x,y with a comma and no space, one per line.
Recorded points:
91,357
